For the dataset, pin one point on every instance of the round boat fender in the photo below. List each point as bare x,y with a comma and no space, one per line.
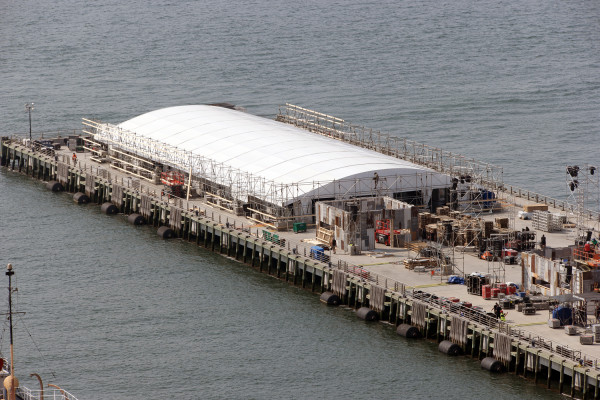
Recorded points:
447,347
492,365
81,198
136,219
109,208
330,299
55,186
408,331
367,314
165,232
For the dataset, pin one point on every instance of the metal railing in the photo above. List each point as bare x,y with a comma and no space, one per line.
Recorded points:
550,201
48,394
45,134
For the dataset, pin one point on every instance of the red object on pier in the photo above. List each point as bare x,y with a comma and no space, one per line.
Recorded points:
486,291
495,292
503,288
512,289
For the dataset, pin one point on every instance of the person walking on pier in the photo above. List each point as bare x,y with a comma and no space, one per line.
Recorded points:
333,244
497,310
543,242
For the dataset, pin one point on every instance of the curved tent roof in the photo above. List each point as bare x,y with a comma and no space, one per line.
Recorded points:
270,149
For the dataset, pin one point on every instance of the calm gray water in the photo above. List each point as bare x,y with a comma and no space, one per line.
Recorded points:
120,314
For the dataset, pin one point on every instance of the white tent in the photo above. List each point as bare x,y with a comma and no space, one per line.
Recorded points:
307,164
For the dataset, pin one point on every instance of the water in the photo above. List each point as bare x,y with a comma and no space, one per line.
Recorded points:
117,311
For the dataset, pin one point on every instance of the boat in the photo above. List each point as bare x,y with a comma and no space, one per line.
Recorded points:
12,390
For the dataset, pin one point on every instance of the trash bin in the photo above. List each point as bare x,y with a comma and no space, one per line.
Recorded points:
299,227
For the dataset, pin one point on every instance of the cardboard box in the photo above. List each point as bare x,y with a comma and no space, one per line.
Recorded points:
535,207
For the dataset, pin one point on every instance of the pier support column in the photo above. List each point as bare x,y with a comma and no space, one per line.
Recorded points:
303,277
517,359
584,384
254,254
561,379
290,265
573,381
548,380
270,263
536,366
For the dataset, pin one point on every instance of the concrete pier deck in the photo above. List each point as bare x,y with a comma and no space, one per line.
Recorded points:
288,259
385,262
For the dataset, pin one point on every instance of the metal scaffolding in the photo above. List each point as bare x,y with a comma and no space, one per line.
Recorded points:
232,188
455,165
583,194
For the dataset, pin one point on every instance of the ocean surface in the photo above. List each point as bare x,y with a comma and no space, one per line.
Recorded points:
112,312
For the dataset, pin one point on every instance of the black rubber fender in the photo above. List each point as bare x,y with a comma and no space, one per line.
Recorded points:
136,219
367,314
330,299
109,208
165,232
54,186
447,347
81,198
492,365
408,331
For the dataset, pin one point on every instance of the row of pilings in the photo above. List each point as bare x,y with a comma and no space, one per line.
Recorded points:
457,329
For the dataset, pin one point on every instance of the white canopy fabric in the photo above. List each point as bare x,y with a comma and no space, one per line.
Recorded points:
273,150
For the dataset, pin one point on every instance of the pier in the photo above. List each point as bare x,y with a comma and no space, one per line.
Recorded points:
376,285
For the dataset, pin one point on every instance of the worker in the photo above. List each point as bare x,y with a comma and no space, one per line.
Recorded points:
333,244
543,242
376,179
502,316
497,310
74,159
587,247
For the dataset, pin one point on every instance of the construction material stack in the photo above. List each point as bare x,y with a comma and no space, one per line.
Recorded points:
173,183
546,221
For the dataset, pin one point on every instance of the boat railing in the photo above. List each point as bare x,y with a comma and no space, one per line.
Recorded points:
48,394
